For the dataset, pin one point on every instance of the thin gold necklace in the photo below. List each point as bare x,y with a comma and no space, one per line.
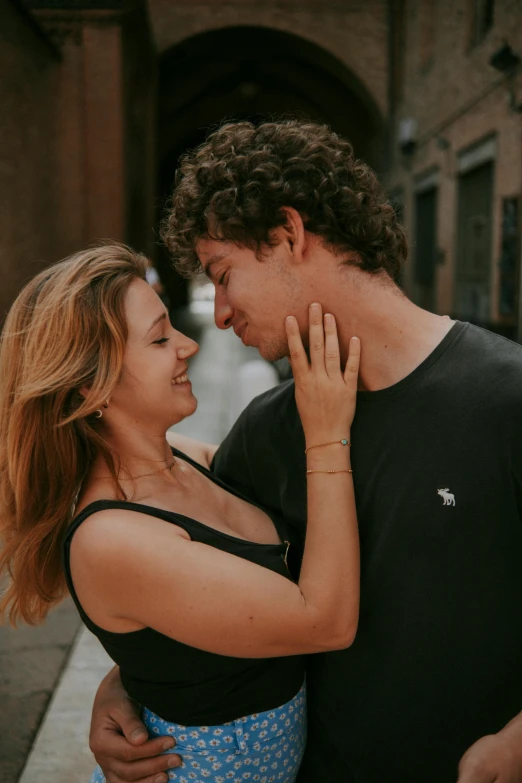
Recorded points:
144,475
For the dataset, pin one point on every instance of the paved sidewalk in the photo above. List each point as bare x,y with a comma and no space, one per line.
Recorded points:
31,661
61,753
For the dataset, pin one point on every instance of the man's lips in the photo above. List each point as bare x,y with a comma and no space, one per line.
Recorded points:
238,330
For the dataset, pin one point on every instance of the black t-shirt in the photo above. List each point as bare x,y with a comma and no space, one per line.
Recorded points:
437,661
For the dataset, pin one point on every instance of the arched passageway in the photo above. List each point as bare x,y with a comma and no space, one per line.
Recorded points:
254,73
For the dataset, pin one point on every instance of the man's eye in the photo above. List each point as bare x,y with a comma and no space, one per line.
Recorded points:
221,280
161,341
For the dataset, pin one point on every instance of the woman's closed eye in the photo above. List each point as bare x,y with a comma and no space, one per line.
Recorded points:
161,341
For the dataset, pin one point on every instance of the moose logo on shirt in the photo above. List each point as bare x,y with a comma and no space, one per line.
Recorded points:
449,499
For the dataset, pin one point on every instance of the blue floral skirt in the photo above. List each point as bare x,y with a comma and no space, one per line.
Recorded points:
266,747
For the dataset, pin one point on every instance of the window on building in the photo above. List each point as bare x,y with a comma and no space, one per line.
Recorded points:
482,22
425,248
473,270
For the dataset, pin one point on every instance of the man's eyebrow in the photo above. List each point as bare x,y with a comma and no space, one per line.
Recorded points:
156,321
207,266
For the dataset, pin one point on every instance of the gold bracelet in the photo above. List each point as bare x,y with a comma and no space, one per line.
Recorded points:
343,442
330,471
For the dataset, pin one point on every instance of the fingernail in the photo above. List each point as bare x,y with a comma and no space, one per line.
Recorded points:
168,744
328,318
139,734
174,761
161,779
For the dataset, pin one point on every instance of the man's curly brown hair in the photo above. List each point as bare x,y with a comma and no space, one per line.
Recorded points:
234,186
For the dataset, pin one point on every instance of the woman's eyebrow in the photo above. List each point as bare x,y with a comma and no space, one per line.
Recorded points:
156,321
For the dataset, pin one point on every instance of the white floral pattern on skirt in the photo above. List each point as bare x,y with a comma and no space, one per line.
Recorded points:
266,747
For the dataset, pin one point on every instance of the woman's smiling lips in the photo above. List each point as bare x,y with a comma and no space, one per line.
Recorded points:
181,380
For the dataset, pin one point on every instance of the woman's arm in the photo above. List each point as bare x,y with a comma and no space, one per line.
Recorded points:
215,601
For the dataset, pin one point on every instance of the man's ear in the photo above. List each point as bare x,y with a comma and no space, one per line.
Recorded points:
293,234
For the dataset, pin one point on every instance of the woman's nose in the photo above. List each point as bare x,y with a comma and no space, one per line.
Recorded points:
187,348
223,312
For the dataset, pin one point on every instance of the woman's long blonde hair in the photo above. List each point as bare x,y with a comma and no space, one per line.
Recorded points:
65,331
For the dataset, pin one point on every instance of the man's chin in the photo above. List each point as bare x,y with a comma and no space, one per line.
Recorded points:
272,352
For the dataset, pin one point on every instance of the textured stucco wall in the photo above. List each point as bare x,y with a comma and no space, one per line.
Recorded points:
29,211
77,135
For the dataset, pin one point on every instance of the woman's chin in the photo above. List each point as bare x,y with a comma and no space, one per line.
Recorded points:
188,409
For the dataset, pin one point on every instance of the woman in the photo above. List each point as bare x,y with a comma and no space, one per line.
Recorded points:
184,582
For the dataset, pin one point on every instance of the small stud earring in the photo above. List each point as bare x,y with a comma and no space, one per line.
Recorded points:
106,404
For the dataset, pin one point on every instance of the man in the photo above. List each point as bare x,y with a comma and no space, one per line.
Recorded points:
282,215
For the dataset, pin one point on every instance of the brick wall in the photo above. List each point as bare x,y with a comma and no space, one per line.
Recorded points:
355,32
457,99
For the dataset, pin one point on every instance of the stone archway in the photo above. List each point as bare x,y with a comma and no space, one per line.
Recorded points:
254,73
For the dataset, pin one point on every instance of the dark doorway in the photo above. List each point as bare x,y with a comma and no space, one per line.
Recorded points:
474,233
254,73
425,248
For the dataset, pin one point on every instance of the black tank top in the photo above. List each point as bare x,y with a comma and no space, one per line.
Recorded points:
183,684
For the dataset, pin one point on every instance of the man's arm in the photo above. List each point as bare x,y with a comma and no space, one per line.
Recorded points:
496,758
119,740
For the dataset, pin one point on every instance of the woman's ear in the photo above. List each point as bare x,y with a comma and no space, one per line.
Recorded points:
83,391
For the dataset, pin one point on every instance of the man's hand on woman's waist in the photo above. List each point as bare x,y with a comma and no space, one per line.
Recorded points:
119,740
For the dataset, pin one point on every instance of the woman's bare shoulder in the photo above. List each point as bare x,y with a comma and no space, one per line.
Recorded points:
109,530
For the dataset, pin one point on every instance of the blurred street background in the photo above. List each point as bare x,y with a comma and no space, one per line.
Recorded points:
98,100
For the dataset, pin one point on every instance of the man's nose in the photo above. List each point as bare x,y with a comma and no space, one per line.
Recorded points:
223,312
